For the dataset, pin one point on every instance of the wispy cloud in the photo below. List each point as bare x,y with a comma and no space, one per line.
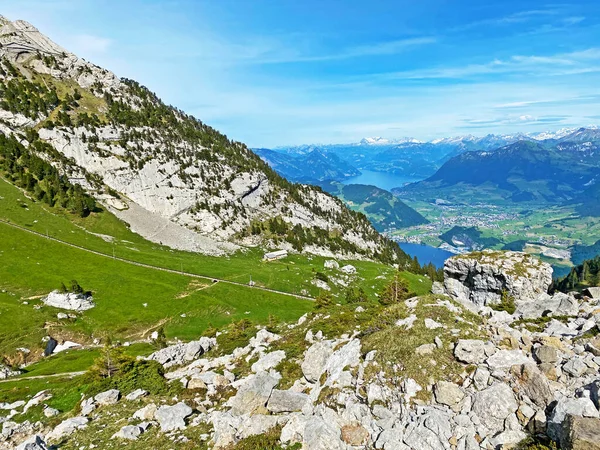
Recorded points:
535,65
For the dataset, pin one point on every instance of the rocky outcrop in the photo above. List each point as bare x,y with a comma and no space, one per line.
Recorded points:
179,354
482,277
69,300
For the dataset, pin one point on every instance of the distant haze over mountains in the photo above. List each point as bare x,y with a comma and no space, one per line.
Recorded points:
406,157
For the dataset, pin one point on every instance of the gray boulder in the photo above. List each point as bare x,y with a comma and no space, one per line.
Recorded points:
33,443
179,354
471,351
69,300
575,367
322,435
447,393
138,393
431,431
287,401
173,417
110,397
505,359
493,405
88,406
268,361
66,428
315,361
129,432
533,384
580,433
253,395
546,354
582,407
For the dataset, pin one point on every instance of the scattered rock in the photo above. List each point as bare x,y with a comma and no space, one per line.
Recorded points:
505,359
582,407
580,433
349,269
355,434
172,418
287,401
252,396
138,393
447,393
129,432
493,405
470,351
69,300
315,360
268,361
33,443
181,353
67,428
110,397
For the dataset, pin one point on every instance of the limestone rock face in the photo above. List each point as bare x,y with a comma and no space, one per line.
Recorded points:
482,277
69,300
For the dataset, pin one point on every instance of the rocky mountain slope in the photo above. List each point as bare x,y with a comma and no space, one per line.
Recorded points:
174,179
420,373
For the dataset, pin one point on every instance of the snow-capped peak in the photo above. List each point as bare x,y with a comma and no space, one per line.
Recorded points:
378,140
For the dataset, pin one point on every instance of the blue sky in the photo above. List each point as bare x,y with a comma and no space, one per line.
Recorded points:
276,72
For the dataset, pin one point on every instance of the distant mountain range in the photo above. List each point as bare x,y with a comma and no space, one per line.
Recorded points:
556,170
407,157
311,168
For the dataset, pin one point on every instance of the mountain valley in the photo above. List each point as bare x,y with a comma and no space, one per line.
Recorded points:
165,286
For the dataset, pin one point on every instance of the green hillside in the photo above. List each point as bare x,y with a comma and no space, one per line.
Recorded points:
132,301
384,210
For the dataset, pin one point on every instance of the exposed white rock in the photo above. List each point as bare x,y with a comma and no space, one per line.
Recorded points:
268,361
494,405
287,401
128,432
67,428
482,277
331,264
138,393
172,418
253,394
181,353
69,300
110,397
33,443
348,269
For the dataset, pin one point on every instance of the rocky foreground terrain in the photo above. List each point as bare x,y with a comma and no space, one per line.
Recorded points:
491,361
